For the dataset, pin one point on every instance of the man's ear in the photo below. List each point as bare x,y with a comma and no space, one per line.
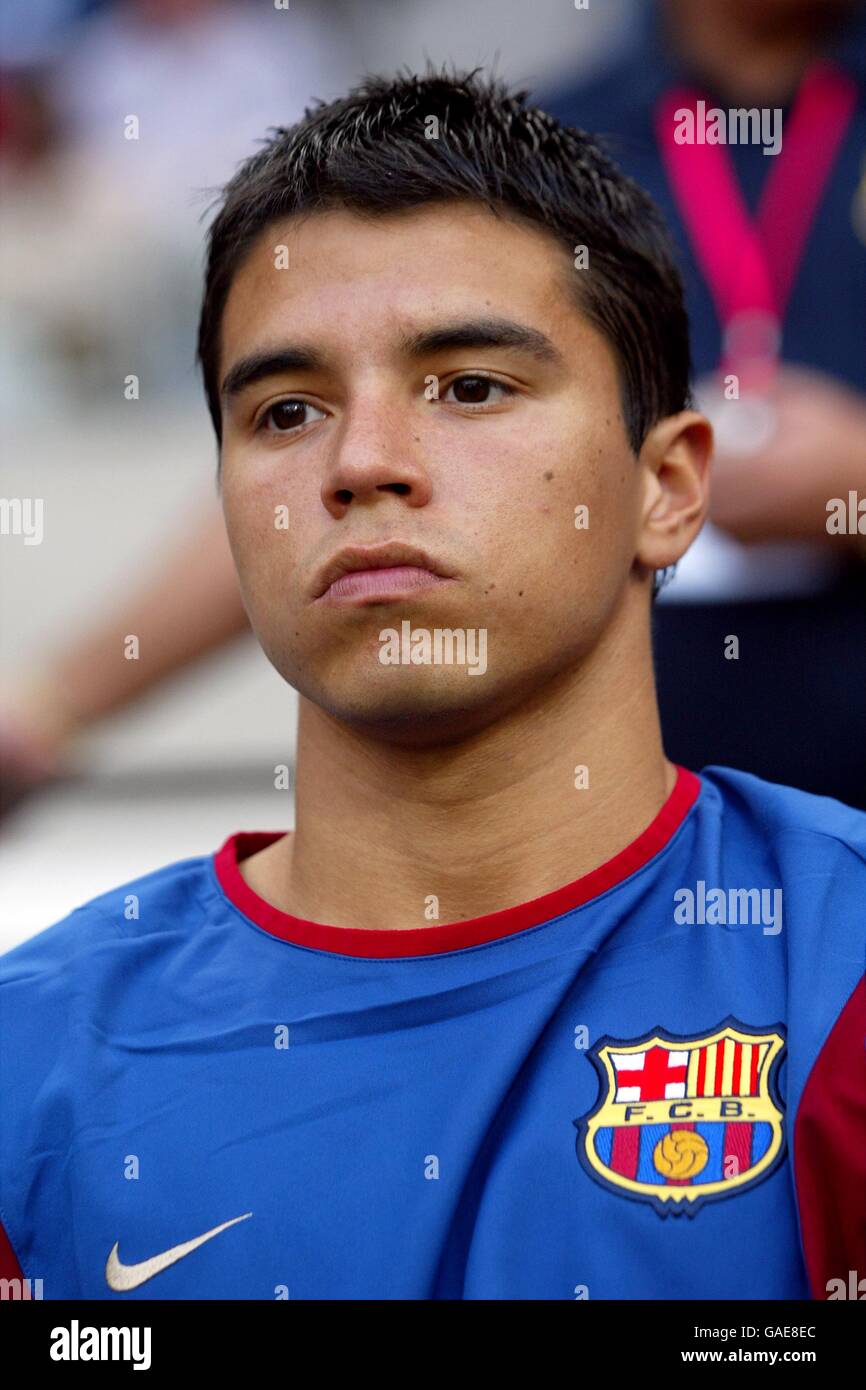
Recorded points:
674,460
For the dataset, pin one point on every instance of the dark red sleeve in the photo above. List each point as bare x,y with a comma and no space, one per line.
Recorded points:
9,1266
830,1153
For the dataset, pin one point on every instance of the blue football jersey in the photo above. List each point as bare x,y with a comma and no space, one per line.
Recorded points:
650,1083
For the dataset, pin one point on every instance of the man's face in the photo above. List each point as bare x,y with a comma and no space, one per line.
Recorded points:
347,445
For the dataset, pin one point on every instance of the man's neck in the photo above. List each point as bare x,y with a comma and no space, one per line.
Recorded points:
744,59
478,826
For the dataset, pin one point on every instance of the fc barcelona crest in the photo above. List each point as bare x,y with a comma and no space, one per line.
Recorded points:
681,1121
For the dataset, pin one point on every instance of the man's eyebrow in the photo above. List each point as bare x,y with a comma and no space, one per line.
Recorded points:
467,333
269,362
483,333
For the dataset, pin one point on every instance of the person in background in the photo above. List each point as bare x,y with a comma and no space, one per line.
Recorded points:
768,572
204,77
773,250
120,132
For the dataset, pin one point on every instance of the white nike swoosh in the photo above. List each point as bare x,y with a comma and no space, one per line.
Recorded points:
122,1278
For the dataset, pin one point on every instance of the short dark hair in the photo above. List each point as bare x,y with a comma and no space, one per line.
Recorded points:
371,151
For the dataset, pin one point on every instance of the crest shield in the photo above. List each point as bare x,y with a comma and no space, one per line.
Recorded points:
682,1120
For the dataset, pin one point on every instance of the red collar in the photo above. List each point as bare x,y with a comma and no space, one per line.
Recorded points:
423,941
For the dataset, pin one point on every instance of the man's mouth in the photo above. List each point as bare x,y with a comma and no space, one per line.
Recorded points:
378,574
392,582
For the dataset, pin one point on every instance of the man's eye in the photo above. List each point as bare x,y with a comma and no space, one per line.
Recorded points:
476,390
288,415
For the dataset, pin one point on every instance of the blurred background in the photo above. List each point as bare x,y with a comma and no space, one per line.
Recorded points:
101,242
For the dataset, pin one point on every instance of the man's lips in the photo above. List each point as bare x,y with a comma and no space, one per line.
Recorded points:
378,573
391,582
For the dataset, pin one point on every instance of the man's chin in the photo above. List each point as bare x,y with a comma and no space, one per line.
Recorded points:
421,713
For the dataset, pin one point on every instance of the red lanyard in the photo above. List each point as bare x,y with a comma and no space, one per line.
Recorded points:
750,265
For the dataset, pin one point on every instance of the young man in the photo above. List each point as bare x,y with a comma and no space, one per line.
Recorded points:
519,1009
